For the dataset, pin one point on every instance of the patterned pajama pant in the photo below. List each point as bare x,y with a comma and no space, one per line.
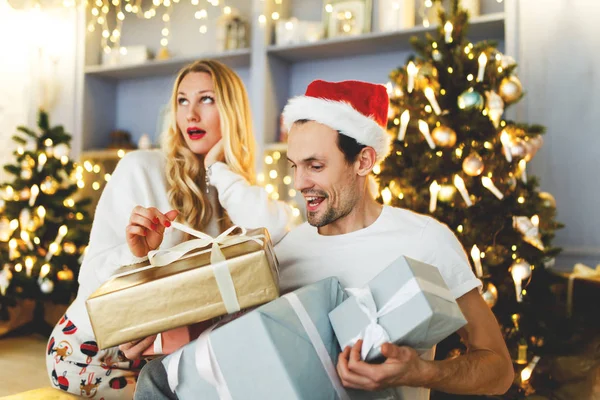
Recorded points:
75,365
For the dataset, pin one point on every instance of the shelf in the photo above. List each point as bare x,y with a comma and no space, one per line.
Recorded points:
233,58
485,26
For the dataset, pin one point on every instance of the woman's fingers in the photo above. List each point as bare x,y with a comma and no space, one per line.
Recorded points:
135,230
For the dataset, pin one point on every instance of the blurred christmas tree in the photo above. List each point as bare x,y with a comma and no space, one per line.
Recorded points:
457,159
44,229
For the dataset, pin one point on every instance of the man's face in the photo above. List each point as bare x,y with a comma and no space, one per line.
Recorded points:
328,183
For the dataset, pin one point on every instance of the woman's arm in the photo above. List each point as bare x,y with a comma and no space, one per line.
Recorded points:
249,206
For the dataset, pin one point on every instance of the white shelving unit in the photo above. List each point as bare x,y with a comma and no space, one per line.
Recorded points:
130,97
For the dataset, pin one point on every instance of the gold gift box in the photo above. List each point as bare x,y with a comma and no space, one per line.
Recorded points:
182,293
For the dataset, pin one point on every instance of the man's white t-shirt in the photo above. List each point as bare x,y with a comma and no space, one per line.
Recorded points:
355,258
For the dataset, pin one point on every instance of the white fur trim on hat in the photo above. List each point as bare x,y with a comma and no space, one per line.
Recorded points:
341,117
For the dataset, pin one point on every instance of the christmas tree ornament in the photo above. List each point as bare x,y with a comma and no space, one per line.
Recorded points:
482,62
510,89
424,128
460,186
529,228
470,100
430,95
448,27
434,190
506,61
505,139
26,173
548,200
520,270
404,119
496,255
5,231
523,170
5,278
444,136
517,148
42,159
473,164
49,185
35,191
476,257
490,294
487,183
494,106
411,71
65,275
61,150
47,286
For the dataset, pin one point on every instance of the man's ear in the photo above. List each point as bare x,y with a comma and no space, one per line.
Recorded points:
365,161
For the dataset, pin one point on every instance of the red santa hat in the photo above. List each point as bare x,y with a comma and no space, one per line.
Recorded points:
356,109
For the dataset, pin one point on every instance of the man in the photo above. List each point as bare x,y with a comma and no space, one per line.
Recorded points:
337,133
336,136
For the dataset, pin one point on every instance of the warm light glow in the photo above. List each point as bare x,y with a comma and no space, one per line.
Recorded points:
120,153
262,19
273,174
276,155
535,220
44,270
275,16
287,180
268,160
269,188
377,169
328,8
386,195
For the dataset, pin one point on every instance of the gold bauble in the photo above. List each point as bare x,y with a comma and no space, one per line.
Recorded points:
473,164
517,148
510,89
65,275
444,136
521,268
547,200
490,294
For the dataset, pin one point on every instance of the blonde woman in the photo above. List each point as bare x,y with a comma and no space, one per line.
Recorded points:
203,177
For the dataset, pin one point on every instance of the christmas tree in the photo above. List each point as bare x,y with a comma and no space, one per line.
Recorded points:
457,159
44,228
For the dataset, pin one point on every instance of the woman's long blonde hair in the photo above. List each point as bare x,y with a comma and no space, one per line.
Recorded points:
185,170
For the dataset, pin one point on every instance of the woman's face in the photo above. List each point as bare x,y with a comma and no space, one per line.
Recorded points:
197,113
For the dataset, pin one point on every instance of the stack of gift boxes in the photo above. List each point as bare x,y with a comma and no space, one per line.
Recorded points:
288,346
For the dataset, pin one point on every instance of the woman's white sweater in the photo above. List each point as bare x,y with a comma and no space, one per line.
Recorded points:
139,179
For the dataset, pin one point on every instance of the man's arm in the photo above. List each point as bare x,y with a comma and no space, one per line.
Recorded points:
486,368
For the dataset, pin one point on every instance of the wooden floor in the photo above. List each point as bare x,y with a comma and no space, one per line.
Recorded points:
23,364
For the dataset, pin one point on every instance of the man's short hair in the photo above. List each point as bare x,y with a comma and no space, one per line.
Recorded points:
347,145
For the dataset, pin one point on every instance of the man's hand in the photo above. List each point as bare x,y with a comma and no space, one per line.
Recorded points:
402,367
133,350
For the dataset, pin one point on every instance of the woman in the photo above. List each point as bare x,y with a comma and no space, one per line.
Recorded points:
203,177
